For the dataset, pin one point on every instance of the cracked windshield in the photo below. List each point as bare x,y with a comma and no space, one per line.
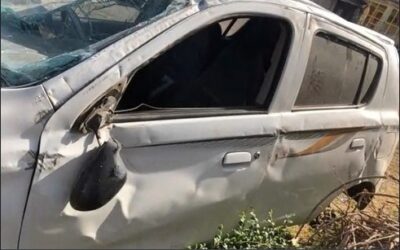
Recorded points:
41,38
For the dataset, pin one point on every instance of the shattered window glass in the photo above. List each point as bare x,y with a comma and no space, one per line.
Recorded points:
205,69
42,38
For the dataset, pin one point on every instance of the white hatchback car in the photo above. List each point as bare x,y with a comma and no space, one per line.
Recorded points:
144,123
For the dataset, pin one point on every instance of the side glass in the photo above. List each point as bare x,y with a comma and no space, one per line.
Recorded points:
333,75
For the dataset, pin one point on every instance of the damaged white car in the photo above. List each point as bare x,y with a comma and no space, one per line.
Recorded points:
147,123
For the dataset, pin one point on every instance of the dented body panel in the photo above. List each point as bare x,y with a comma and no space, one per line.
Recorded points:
175,170
23,116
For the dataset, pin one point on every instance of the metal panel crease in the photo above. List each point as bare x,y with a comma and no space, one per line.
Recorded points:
175,171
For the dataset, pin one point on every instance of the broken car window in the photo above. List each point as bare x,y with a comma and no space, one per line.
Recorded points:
41,38
222,65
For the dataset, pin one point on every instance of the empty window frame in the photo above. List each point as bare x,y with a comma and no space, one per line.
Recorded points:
231,64
338,74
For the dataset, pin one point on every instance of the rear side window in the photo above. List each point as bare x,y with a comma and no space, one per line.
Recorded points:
371,77
337,74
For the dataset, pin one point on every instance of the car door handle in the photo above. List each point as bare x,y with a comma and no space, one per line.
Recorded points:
236,158
358,143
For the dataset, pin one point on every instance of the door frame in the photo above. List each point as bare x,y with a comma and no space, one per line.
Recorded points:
60,144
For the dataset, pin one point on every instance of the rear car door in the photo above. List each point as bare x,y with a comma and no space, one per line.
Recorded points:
187,170
333,122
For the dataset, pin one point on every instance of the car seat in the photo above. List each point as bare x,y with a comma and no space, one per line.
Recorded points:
155,83
235,76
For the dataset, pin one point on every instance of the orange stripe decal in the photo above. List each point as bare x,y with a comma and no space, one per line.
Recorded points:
320,144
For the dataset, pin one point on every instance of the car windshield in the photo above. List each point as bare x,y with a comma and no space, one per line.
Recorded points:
42,38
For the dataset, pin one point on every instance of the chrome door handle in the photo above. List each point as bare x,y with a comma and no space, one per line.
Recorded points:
358,143
236,158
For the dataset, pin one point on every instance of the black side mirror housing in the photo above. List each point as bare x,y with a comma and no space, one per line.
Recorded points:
101,180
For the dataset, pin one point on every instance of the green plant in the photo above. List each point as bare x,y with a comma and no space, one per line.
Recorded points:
250,233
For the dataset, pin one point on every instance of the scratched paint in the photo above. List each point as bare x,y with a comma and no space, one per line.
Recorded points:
23,116
175,171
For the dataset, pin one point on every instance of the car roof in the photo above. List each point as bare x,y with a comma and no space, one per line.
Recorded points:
317,10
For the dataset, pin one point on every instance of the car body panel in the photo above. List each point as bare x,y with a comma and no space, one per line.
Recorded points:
19,148
175,171
61,223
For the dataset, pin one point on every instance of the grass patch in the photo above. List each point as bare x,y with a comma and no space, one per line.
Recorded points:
251,233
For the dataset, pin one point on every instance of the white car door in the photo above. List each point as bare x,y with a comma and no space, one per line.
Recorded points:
335,116
184,175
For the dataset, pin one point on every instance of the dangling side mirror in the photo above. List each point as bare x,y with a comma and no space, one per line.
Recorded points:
101,180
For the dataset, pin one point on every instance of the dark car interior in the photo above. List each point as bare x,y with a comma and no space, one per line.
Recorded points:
211,68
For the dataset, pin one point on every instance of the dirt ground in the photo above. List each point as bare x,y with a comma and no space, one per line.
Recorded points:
390,187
